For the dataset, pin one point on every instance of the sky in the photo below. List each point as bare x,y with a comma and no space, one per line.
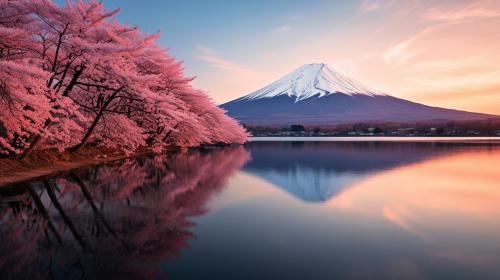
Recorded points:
442,53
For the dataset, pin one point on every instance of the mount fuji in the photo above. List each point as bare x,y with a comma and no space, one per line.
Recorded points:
315,94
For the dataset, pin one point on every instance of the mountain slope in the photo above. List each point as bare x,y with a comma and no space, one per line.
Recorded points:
316,94
312,80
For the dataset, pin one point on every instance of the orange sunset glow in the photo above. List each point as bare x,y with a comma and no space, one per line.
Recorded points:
463,184
440,53
273,139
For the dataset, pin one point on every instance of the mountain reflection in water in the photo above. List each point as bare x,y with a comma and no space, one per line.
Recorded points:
317,171
269,210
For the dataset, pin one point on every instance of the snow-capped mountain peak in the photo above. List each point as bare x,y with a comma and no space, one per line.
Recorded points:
316,79
314,94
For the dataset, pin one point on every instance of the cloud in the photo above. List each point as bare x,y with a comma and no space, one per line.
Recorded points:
210,56
463,81
473,11
281,29
402,52
464,74
457,66
368,6
441,17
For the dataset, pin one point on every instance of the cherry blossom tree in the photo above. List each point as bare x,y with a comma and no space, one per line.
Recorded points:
72,76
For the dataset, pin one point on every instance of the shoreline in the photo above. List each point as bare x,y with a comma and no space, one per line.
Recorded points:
429,139
49,162
44,163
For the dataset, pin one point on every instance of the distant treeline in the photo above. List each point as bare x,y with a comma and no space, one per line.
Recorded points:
490,127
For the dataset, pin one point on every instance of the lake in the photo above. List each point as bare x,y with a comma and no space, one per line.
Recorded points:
273,209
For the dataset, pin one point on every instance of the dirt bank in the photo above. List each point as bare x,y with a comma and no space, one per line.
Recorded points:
41,163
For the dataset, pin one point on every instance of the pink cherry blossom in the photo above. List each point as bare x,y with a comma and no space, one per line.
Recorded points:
73,75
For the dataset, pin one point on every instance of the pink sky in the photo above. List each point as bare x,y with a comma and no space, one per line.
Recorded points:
441,53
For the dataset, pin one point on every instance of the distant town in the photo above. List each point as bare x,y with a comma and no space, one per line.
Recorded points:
465,128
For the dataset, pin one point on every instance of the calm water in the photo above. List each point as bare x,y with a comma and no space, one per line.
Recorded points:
269,210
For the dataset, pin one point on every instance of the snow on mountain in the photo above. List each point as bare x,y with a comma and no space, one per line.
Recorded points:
309,80
314,94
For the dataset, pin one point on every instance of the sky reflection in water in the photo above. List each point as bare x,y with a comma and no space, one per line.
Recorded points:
294,210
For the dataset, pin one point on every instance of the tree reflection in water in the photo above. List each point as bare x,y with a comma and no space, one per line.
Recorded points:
115,220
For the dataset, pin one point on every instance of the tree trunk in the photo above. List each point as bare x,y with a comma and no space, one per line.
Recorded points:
54,64
169,132
97,118
73,81
59,84
32,146
151,139
35,142
87,135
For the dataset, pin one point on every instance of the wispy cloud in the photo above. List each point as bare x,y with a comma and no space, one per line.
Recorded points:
402,52
457,66
369,6
440,18
476,10
466,74
465,81
281,29
210,56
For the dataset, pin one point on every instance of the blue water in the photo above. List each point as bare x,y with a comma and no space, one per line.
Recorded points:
269,210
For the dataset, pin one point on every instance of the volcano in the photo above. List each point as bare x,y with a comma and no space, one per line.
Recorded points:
315,94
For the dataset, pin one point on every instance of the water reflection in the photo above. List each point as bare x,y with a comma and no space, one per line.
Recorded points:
317,171
450,202
381,210
412,211
118,220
